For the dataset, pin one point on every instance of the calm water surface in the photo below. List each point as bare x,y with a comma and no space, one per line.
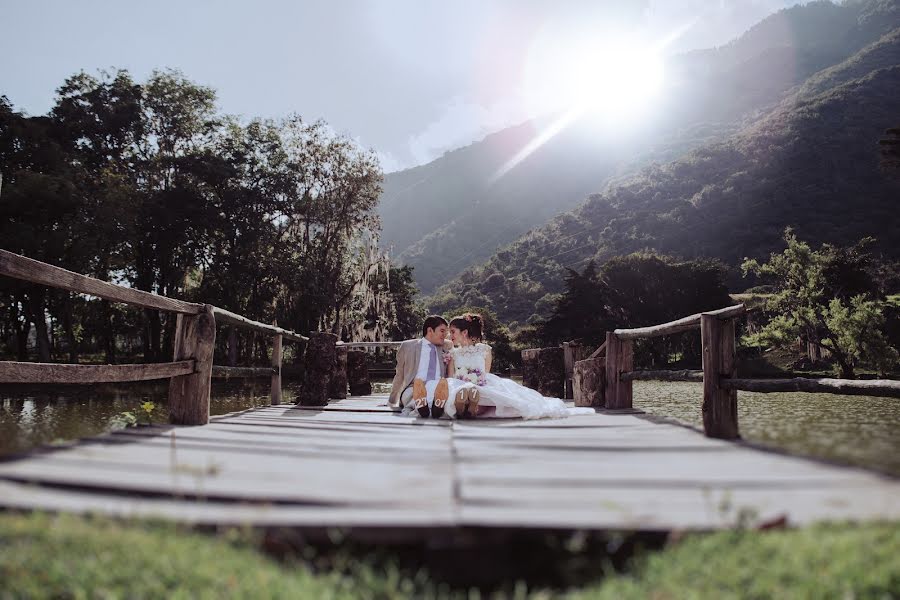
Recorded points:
861,430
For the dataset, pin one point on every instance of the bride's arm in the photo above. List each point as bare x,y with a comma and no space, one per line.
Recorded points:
451,369
488,357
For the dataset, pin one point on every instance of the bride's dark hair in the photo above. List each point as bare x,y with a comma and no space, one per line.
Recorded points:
471,323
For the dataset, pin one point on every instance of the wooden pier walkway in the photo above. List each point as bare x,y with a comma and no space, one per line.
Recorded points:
355,464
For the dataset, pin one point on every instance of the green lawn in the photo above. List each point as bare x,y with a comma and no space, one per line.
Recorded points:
45,556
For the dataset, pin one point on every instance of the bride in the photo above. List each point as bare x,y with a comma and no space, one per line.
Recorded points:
478,393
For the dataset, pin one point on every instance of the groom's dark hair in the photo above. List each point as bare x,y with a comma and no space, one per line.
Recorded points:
432,322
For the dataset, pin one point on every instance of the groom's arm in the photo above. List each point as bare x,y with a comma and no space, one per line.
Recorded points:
397,383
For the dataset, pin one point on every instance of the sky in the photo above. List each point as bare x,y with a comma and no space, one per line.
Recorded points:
409,79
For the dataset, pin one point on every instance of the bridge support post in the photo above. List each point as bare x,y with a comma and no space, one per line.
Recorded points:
619,359
543,369
337,387
318,363
720,418
277,356
589,382
195,338
358,373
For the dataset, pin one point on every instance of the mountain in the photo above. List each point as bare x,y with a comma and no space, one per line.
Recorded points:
455,212
810,163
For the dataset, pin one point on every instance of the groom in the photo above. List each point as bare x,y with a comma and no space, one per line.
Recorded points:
420,361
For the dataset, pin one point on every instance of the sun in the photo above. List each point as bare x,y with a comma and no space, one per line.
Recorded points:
611,79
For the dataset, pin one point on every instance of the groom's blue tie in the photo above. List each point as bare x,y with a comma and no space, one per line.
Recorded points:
432,363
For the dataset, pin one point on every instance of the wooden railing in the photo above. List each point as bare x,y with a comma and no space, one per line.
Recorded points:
192,368
604,379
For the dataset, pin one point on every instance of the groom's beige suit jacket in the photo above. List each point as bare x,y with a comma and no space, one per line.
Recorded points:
408,365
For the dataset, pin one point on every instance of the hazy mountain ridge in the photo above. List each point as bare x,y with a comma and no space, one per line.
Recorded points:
811,163
449,214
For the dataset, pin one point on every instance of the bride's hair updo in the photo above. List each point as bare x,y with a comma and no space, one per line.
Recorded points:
471,323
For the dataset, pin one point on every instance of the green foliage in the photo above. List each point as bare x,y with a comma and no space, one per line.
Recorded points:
45,556
123,420
633,291
144,183
824,561
829,298
810,161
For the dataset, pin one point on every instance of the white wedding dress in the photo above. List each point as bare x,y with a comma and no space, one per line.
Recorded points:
508,398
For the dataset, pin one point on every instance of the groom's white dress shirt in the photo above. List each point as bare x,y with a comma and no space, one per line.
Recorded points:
425,356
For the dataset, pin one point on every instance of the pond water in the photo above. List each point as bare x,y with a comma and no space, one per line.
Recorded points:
859,430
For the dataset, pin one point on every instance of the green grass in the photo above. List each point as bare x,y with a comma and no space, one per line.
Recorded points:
45,556
826,561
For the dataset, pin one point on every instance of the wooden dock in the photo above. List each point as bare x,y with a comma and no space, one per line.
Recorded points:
355,464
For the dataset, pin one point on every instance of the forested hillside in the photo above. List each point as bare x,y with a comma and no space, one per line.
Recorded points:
453,213
811,163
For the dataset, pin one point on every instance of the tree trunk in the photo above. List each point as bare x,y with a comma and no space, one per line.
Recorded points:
337,387
22,331
109,332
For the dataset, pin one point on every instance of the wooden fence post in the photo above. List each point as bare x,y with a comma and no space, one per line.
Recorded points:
358,373
277,356
572,353
719,404
337,387
318,363
589,382
543,369
619,359
195,338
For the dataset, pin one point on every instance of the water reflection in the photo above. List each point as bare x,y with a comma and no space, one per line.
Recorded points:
35,415
861,430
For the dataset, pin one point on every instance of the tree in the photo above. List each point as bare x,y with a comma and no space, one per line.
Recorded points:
828,298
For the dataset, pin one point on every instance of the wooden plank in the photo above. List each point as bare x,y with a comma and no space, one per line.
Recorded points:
26,269
234,476
619,360
677,375
226,316
221,372
886,388
685,324
24,372
404,513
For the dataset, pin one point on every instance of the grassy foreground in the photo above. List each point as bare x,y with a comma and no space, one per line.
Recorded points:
45,556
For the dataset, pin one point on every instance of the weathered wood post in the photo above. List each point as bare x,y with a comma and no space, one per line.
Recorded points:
318,364
572,353
619,359
195,338
589,382
719,404
277,357
358,373
543,369
337,387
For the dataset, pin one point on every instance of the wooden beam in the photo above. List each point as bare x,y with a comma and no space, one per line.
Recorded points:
601,351
720,419
685,324
24,372
226,316
221,372
195,338
35,271
680,375
361,345
885,388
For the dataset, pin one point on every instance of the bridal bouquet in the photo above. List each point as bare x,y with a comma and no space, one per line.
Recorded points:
471,375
